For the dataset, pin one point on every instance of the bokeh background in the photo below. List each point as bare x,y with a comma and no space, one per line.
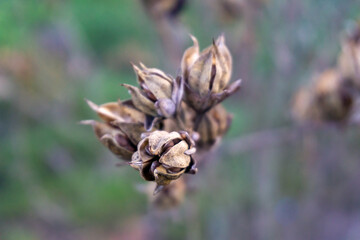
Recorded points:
267,180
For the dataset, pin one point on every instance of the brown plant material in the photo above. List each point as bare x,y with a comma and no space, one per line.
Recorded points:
157,129
159,94
333,95
327,100
207,73
163,157
121,128
213,126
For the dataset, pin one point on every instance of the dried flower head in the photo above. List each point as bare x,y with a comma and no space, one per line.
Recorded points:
207,73
162,156
157,129
327,100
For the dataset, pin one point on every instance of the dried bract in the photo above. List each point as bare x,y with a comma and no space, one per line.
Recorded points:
159,94
121,128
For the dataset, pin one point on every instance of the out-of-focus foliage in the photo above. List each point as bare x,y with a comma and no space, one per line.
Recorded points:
57,182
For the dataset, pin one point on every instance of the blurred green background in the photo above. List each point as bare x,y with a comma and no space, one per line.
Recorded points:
266,181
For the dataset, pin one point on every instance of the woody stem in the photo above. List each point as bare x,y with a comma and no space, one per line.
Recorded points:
198,119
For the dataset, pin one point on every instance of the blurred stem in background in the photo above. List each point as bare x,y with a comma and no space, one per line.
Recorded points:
57,183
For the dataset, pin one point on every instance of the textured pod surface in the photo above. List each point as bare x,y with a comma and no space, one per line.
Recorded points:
175,156
162,156
122,127
158,95
213,126
209,70
115,140
140,100
207,74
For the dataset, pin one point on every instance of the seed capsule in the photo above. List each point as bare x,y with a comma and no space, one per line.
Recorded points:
207,74
162,156
121,128
328,99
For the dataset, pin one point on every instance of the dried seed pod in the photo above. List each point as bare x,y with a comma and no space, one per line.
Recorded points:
121,128
303,107
159,94
162,156
207,74
328,99
213,126
332,97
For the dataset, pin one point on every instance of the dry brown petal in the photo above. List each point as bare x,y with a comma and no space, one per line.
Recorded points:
113,139
163,177
175,157
190,56
143,149
146,172
132,130
140,101
200,72
159,138
136,161
156,81
118,145
224,62
116,111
